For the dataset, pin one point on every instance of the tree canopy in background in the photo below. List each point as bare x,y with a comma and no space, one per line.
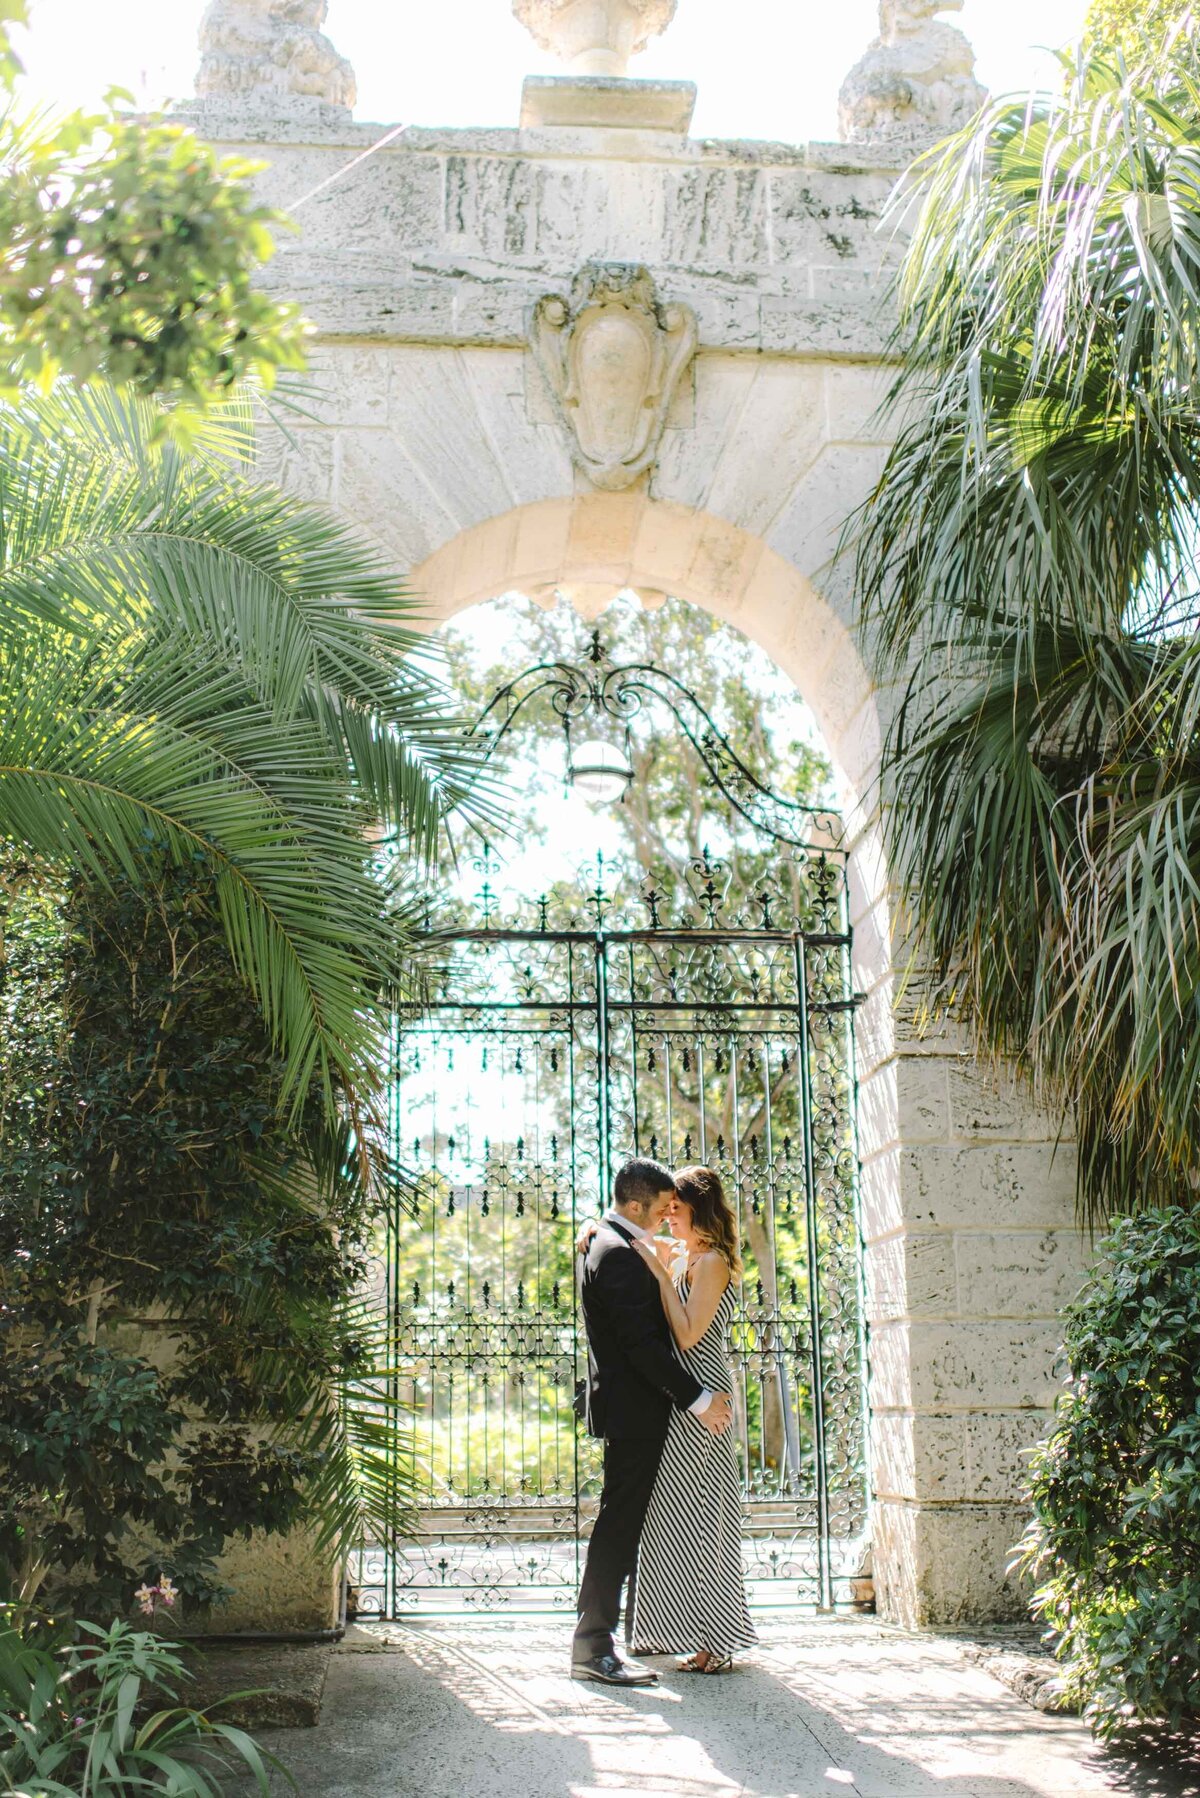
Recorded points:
1029,562
671,813
1137,28
129,251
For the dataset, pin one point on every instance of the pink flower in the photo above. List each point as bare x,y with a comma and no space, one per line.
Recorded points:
166,1590
145,1596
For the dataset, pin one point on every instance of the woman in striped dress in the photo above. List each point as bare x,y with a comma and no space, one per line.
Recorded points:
689,1595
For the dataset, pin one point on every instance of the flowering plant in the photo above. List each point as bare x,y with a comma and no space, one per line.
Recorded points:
148,1598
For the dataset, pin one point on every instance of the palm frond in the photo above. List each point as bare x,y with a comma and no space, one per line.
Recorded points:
1049,823
309,611
357,1430
199,659
1048,343
1028,568
92,775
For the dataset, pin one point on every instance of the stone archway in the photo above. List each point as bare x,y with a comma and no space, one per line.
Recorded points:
591,546
970,1247
584,550
446,271
926,1117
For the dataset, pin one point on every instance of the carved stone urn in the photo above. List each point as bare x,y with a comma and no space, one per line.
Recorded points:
595,37
613,356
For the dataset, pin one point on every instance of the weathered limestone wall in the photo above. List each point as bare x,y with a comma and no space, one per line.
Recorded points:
421,267
447,237
278,1584
970,1256
281,1585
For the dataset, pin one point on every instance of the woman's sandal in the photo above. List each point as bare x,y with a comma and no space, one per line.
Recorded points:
716,1663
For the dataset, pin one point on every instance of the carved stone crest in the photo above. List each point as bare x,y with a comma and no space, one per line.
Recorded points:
613,356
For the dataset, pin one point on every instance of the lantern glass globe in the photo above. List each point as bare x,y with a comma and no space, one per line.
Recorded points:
599,771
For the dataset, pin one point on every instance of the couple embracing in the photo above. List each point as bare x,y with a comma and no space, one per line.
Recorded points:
659,1392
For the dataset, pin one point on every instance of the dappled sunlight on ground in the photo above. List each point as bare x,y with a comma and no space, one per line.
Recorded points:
466,1707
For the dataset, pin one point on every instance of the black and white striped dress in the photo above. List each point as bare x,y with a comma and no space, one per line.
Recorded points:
689,1593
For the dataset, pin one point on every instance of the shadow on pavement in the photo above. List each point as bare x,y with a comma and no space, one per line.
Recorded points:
487,1711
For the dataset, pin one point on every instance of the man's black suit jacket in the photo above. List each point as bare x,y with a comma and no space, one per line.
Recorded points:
633,1376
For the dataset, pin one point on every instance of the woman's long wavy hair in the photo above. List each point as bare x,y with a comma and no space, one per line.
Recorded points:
712,1217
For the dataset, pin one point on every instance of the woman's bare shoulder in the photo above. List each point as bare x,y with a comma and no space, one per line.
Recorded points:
715,1267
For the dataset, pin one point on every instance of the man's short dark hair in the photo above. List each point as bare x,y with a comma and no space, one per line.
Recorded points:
640,1182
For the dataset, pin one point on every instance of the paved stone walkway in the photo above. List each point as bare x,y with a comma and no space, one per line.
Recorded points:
486,1710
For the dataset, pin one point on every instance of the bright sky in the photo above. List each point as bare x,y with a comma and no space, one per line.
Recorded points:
764,68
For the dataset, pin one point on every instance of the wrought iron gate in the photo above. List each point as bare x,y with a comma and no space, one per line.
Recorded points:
557,1044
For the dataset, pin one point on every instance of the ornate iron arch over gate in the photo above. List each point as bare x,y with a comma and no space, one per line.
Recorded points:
560,1038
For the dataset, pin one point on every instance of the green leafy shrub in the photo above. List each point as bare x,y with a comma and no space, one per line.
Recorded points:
179,1261
130,250
1114,1544
77,1722
137,247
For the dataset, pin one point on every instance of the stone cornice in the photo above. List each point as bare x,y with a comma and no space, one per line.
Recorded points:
452,236
223,127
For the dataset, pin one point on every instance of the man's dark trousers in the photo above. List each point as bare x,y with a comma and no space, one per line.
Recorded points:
630,1465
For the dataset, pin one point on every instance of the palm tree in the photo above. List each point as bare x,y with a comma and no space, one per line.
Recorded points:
197,666
1028,564
191,657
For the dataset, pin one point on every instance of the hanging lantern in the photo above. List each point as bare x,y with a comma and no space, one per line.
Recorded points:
599,770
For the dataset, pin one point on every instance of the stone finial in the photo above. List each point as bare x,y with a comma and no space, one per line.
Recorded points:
594,37
270,56
917,80
613,356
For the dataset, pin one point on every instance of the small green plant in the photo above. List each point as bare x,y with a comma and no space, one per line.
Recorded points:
78,1721
1114,1543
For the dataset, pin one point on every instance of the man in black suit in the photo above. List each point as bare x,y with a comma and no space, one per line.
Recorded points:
633,1380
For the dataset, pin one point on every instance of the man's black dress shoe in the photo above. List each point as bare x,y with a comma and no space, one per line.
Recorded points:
609,1671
